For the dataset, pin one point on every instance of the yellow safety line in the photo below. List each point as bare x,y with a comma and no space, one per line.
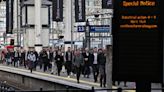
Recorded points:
61,77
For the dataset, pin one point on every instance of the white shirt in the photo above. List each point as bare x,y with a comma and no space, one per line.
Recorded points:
48,53
87,54
32,57
95,58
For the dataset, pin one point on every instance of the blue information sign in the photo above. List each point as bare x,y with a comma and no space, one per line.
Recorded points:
95,28
81,28
99,28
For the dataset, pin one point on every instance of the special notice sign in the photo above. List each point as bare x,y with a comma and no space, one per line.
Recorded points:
137,40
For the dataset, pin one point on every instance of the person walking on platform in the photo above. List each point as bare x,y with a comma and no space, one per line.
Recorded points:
17,56
86,63
83,67
94,63
53,64
101,59
78,61
12,56
44,57
37,55
68,64
40,61
31,57
23,56
59,61
50,57
8,57
3,53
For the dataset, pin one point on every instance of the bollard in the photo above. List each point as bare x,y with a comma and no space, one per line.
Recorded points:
93,89
119,89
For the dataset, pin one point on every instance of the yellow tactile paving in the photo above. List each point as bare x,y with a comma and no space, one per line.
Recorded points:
60,77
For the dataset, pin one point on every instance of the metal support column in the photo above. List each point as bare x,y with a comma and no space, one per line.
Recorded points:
72,26
38,25
18,23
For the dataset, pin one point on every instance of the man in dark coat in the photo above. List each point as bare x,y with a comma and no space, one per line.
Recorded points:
44,58
101,59
86,63
94,63
78,61
17,56
59,61
68,64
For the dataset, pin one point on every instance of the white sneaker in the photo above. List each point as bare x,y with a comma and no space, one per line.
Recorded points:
68,76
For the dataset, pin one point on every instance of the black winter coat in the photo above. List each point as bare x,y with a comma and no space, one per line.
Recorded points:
101,59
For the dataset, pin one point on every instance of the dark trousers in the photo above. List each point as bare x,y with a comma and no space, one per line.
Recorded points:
49,64
102,75
15,62
59,67
95,68
102,80
86,70
31,65
35,64
45,66
83,69
23,62
40,62
68,67
78,72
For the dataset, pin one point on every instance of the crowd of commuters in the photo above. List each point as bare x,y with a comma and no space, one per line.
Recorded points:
80,62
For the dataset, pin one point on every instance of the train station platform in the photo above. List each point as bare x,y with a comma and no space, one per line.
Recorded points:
63,80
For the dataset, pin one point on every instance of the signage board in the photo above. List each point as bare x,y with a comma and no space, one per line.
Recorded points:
137,40
9,16
99,28
95,28
57,10
107,4
80,10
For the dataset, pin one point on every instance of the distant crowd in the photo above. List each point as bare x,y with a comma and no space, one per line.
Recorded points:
76,62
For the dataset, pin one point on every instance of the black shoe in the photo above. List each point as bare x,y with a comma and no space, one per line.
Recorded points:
88,76
52,73
78,81
104,86
100,85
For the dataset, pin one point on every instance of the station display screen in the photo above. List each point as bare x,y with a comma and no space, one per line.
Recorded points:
137,40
